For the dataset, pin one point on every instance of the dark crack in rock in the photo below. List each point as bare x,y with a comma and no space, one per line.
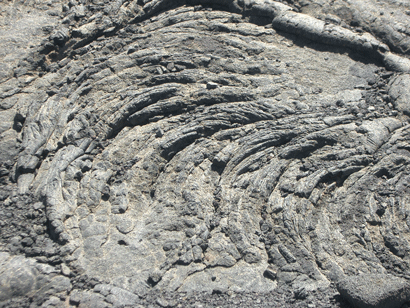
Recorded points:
201,153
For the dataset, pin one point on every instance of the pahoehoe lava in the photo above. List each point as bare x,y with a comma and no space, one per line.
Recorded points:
204,152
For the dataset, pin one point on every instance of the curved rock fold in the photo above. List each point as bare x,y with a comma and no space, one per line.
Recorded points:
225,147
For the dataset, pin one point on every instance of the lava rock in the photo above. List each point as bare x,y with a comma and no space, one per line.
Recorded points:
374,290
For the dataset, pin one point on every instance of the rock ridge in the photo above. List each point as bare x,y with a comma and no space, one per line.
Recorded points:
234,148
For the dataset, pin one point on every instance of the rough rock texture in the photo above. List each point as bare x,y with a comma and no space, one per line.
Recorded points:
157,152
376,290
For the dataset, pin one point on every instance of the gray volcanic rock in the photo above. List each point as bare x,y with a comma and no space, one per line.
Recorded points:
157,152
375,290
21,276
399,92
387,20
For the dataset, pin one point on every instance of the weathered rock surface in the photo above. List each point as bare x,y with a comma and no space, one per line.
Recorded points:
399,92
21,276
376,290
247,149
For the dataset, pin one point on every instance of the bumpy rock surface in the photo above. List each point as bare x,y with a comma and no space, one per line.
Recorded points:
376,290
203,152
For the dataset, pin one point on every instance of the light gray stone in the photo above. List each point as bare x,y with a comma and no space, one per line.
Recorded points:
374,290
